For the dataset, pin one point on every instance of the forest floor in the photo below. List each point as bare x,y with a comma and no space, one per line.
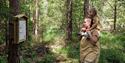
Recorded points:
112,50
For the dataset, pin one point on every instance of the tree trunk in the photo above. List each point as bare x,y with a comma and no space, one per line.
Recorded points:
115,14
13,51
86,7
36,19
69,20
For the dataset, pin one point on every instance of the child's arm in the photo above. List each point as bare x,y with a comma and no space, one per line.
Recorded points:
83,29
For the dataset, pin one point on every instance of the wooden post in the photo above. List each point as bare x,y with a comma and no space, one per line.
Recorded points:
14,38
13,54
13,51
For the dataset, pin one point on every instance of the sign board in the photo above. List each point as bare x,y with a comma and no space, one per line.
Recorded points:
22,30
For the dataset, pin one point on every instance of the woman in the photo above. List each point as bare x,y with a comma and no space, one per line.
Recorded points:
89,45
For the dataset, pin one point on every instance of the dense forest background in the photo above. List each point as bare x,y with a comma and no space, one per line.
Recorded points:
53,26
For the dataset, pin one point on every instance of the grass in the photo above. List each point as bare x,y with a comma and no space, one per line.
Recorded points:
112,48
112,51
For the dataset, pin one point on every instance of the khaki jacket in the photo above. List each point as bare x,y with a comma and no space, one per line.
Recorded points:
88,51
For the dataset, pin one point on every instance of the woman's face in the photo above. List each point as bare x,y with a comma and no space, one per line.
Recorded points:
91,13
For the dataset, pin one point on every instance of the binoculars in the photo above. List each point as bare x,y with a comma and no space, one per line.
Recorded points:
85,34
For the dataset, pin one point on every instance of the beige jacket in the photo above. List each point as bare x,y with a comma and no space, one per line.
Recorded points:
89,52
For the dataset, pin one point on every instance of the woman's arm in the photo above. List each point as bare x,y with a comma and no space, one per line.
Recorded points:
94,37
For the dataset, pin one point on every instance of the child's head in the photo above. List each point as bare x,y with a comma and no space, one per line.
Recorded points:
87,22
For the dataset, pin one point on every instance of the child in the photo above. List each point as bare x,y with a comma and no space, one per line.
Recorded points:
86,27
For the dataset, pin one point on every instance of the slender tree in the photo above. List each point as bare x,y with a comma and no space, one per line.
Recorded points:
36,18
86,7
69,19
115,14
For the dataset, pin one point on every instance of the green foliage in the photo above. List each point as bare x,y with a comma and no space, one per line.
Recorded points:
4,9
73,51
77,17
52,19
3,19
3,59
49,58
52,26
112,56
2,33
112,48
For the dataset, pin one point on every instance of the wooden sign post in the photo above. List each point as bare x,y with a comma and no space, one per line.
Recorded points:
17,34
